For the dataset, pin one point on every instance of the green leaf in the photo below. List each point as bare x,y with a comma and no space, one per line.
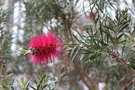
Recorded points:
41,81
109,35
93,56
123,26
74,53
33,88
120,36
76,38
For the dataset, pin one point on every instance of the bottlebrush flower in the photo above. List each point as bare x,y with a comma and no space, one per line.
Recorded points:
45,48
92,15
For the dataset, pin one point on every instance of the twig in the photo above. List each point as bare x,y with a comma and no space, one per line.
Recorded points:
117,56
83,77
70,43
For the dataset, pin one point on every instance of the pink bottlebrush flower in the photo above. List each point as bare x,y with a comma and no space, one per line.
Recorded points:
45,48
92,15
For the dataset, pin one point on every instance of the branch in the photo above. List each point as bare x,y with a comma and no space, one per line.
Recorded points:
85,78
120,59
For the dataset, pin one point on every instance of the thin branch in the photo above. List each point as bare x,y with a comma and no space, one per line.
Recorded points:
121,60
88,83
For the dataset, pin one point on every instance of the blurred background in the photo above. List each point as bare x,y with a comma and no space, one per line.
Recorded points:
98,39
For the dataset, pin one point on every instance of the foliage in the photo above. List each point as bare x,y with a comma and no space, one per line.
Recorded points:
100,50
40,84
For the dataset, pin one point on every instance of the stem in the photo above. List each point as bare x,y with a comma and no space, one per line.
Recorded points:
70,43
115,55
121,59
84,78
